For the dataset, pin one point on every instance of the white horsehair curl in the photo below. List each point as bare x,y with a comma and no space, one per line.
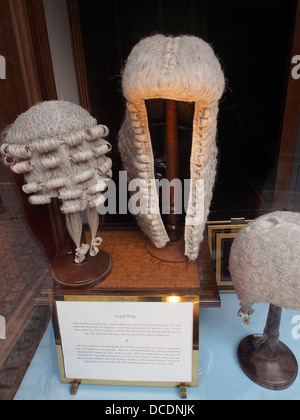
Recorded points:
61,150
184,69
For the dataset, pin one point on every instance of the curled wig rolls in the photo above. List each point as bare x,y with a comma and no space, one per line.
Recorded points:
184,69
61,150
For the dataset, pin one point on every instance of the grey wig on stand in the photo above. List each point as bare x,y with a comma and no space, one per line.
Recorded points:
61,150
185,69
265,262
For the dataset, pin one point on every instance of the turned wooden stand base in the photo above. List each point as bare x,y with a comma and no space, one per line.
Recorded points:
266,360
173,252
66,273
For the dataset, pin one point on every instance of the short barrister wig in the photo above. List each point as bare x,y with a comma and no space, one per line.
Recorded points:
61,150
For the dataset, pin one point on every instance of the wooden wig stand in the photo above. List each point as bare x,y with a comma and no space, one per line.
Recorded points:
174,251
66,273
267,361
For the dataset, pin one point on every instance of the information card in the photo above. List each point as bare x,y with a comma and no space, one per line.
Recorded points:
127,341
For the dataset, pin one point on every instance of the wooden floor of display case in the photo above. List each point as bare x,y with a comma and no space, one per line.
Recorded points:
136,272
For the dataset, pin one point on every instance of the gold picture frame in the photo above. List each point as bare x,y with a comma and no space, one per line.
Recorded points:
62,351
220,236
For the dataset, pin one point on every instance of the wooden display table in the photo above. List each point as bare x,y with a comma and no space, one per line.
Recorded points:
136,272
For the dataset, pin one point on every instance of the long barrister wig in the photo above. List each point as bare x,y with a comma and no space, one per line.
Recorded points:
61,150
184,69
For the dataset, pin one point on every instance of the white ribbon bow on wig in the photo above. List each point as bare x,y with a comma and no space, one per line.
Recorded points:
94,246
